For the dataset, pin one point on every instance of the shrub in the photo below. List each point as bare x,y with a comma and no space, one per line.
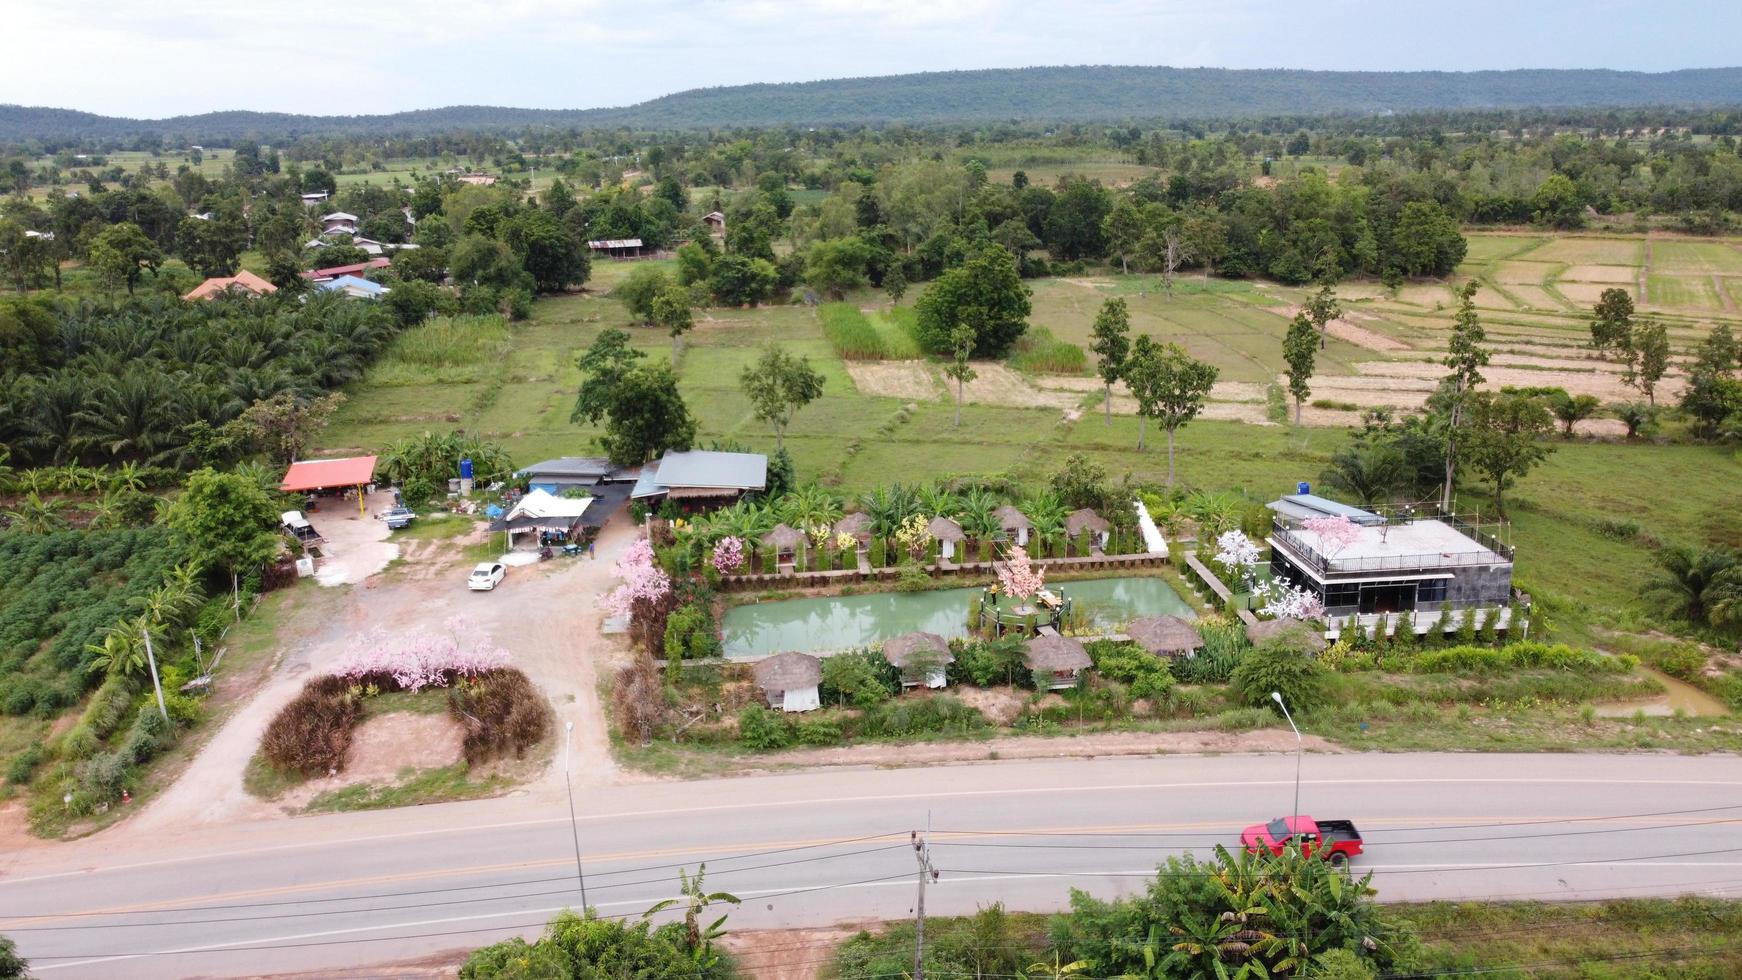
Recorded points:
690,632
990,662
1281,668
910,717
912,578
23,765
860,679
313,732
637,699
501,712
762,730
818,733
1148,675
1037,351
878,553
1472,659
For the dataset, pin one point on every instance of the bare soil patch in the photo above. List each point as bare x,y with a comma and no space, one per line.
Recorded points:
998,385
1622,274
356,545
789,954
1347,330
894,379
385,746
1089,283
1054,747
1606,386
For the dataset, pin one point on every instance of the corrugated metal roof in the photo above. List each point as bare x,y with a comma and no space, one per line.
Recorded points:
616,243
1302,506
706,468
579,467
322,474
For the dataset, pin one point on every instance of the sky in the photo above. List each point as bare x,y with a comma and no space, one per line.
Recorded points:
325,57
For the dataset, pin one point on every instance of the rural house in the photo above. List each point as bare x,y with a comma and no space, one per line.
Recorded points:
922,658
1057,661
339,222
702,478
355,287
618,248
1377,566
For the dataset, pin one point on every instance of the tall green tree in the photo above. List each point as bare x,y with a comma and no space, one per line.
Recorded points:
637,291
213,246
959,368
1612,320
1112,345
1505,438
1466,356
984,293
1322,307
671,311
226,521
778,385
1427,240
1693,583
1570,409
602,366
121,254
1170,387
1299,348
645,415
837,265
554,256
1647,355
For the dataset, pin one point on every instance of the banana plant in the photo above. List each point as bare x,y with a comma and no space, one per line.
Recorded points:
696,900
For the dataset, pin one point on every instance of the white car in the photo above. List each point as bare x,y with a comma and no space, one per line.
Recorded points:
486,576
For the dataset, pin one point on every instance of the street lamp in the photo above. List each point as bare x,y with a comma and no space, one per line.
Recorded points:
1299,749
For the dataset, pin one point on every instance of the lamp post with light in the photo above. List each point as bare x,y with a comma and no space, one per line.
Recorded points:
1299,749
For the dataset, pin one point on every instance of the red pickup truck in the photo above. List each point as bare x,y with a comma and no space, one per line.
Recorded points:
1334,840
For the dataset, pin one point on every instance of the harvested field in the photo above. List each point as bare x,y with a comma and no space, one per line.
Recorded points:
1605,385
1529,273
1602,273
1249,412
1695,258
1430,295
1534,297
1390,396
1346,330
1686,292
895,379
1591,292
998,385
1588,251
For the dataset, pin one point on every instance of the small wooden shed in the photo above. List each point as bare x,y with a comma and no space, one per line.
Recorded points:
922,658
1166,636
1061,657
789,681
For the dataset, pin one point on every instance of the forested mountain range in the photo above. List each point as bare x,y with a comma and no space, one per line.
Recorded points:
1064,94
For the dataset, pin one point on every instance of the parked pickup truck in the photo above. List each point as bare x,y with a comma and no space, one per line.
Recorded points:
399,517
1334,840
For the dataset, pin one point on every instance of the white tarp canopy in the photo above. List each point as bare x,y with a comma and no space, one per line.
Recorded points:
541,504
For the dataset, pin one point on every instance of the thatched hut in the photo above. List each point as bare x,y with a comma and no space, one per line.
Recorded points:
1304,635
1166,636
1060,657
856,526
789,681
785,540
921,658
1086,520
1014,523
948,533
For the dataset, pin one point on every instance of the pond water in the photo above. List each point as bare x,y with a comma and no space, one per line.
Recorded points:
1678,695
829,624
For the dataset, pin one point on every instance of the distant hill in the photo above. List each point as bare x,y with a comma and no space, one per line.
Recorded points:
1098,93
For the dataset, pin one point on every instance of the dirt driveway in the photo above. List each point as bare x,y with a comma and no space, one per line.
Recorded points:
545,615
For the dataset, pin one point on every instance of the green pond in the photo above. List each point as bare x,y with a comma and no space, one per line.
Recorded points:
830,624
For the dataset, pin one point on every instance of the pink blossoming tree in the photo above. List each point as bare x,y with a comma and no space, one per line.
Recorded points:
642,580
1020,578
419,660
728,555
1334,533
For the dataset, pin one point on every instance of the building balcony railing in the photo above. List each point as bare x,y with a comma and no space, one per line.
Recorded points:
1303,552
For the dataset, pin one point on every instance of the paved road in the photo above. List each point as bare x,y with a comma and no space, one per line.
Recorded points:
821,847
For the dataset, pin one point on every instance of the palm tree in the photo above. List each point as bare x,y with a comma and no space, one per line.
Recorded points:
1215,512
1696,585
1369,472
809,507
979,515
1046,515
888,508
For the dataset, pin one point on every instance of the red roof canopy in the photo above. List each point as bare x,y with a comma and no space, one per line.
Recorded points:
323,474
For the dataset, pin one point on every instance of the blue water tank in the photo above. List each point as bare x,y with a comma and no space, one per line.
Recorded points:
1303,487
466,470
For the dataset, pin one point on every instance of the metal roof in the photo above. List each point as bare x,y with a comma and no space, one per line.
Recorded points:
1305,506
717,470
616,243
575,467
322,474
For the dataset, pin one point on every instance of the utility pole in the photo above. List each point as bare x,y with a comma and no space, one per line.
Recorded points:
922,853
156,685
574,831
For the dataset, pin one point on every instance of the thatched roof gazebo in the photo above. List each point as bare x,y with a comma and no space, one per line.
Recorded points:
945,529
784,538
1011,519
1309,638
789,680
1165,636
920,658
1061,656
855,526
1085,520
